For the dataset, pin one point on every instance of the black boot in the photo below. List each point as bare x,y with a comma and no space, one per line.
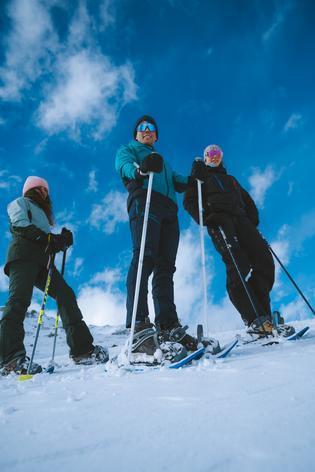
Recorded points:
145,338
178,334
20,366
148,348
98,355
260,328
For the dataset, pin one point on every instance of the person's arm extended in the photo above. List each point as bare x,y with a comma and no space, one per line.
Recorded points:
125,164
181,183
191,202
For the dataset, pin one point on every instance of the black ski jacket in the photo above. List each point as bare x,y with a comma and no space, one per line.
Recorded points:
221,193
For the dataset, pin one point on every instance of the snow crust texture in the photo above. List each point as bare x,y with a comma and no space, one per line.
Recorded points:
253,411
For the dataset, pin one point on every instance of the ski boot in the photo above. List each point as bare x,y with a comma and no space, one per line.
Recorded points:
20,366
147,348
178,334
98,355
260,328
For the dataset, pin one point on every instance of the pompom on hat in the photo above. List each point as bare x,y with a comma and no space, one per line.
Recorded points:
33,181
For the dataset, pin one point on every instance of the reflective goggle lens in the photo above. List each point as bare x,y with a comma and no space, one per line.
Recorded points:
212,153
146,126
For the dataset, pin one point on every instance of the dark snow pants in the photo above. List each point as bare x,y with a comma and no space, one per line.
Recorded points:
24,275
255,263
159,257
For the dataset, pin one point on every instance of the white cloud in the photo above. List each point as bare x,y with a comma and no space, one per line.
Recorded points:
260,181
89,90
110,212
109,277
93,184
7,181
101,300
281,247
83,88
295,310
295,121
288,243
30,43
78,266
277,21
4,281
106,13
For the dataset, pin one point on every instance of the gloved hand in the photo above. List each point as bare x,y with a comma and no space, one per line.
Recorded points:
69,236
60,242
152,163
213,220
199,170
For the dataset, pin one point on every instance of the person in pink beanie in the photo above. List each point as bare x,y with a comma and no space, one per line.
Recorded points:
31,219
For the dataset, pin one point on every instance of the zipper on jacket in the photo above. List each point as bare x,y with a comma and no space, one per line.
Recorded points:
219,183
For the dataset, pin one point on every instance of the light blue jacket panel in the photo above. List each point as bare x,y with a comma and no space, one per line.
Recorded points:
23,212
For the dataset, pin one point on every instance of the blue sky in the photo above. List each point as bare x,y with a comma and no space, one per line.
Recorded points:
74,77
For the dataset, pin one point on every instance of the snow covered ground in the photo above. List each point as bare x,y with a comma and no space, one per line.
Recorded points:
253,411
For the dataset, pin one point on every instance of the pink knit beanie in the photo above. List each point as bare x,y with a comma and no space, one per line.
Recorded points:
33,181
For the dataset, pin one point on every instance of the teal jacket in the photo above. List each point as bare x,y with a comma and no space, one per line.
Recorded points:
166,183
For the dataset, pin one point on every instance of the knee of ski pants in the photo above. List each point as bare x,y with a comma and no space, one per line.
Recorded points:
15,309
149,257
164,267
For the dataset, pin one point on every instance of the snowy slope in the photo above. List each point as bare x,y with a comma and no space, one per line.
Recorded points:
253,411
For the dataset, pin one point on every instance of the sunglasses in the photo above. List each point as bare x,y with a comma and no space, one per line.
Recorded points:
146,126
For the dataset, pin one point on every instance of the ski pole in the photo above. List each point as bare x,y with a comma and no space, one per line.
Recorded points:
140,264
51,366
228,246
291,279
42,310
203,257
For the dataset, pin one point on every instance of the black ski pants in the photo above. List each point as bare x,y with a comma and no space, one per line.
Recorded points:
159,257
24,275
254,261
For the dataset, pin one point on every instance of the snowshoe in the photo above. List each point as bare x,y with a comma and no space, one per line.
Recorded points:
173,352
98,355
284,330
20,366
260,328
177,334
145,348
211,345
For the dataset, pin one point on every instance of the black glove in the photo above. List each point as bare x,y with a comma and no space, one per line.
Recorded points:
199,170
213,220
152,163
60,242
69,236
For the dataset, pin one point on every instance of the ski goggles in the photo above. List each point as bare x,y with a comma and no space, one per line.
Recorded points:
213,152
145,125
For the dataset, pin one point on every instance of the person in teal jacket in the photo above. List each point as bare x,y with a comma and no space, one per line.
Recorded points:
133,163
32,244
